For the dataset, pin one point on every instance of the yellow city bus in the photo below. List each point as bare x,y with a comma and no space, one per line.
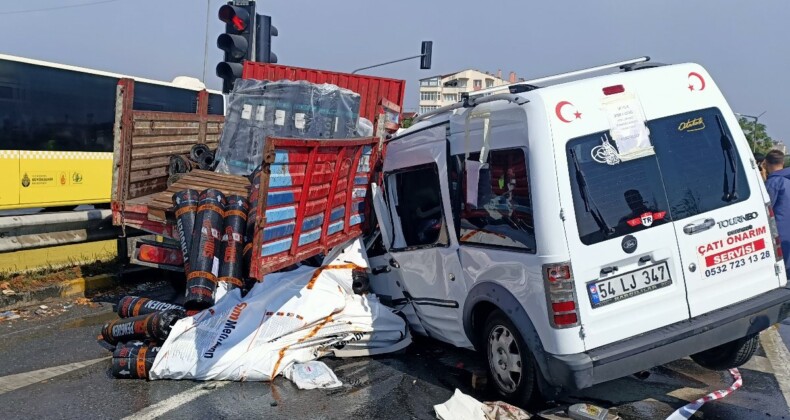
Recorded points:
56,129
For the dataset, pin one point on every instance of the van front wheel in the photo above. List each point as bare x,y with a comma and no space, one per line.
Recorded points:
510,364
728,355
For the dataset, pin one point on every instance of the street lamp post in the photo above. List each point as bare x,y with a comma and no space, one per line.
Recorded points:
754,130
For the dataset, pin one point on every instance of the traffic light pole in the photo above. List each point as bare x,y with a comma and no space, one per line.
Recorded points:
425,58
388,62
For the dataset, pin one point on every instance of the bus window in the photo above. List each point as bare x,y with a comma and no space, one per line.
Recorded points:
56,109
150,97
216,104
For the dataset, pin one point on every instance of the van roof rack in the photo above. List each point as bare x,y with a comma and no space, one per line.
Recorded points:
474,98
624,65
467,102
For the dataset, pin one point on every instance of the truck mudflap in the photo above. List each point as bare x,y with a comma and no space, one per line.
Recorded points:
675,341
313,197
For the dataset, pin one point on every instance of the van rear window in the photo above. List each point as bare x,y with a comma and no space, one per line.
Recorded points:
695,169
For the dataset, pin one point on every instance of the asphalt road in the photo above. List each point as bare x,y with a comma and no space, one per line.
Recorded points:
52,367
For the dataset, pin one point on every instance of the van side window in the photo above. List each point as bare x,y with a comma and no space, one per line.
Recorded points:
418,203
502,216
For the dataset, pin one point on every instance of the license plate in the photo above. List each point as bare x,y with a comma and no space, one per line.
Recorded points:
614,289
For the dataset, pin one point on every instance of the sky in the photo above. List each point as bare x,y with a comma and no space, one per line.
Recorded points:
742,44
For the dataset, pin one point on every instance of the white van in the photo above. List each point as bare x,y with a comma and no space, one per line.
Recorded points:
582,231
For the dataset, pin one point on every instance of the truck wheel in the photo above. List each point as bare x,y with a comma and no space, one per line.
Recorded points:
728,355
511,366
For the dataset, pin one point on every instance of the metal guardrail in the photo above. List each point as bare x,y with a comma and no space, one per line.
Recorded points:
52,229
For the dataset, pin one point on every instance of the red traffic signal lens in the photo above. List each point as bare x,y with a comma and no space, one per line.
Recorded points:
238,23
236,16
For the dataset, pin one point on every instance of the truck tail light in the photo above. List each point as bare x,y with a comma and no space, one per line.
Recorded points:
561,295
774,233
160,255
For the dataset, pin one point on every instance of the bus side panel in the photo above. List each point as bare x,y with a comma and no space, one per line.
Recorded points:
65,177
9,173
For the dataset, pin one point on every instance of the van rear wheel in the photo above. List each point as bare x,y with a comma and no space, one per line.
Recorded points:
728,355
511,366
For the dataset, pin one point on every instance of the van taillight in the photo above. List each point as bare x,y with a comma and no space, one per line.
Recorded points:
774,232
612,90
160,255
561,295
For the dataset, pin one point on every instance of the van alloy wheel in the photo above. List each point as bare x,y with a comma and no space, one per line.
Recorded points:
504,358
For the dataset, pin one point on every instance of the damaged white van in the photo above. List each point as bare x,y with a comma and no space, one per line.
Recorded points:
579,231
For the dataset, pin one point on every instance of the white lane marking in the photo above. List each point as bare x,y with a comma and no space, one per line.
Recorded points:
170,404
19,380
779,357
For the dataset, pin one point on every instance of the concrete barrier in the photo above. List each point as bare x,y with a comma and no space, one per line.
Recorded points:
53,229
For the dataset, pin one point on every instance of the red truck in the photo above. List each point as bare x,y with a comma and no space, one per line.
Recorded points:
323,203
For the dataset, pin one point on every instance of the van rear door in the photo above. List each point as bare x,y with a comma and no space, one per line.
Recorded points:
624,255
719,215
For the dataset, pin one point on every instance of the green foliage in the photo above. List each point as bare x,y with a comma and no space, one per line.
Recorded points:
406,123
759,140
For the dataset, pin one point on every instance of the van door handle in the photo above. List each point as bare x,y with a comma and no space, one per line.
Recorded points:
698,226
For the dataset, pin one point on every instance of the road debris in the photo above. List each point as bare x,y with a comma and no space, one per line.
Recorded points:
582,411
8,316
499,410
5,287
462,406
83,301
312,375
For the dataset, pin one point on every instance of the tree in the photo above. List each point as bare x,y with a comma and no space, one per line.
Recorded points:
406,122
759,140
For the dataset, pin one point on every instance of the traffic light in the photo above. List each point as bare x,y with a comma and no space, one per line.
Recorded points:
425,58
267,31
238,41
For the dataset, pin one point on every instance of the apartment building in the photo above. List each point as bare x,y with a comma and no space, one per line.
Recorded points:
446,89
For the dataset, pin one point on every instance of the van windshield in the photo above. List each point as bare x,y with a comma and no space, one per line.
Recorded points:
695,169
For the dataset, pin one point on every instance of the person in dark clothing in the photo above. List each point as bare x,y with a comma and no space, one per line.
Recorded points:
760,158
778,185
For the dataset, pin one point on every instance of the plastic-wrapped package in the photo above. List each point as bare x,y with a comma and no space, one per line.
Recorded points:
294,109
364,127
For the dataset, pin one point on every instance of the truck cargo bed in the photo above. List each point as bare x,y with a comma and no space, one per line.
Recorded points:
313,193
151,212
